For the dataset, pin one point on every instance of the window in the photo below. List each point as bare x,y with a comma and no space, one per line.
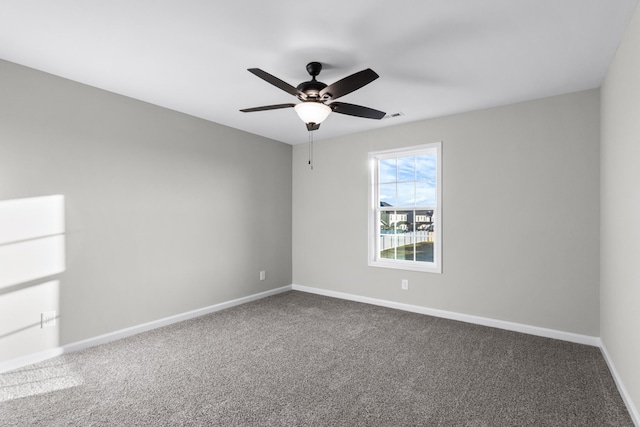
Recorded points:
405,208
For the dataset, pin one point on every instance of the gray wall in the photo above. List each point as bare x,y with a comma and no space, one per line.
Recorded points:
620,229
164,213
521,214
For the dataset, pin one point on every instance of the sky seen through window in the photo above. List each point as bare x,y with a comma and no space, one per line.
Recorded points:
408,181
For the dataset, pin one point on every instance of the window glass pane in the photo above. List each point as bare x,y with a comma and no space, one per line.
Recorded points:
423,220
406,194
388,246
426,193
406,168
396,238
406,237
387,195
426,167
386,233
424,235
387,170
386,227
399,221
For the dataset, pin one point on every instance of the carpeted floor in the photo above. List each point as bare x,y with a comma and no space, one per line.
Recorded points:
299,359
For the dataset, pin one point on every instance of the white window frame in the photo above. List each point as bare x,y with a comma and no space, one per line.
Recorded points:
374,210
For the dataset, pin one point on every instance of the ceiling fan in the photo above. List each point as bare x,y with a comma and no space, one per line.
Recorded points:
314,96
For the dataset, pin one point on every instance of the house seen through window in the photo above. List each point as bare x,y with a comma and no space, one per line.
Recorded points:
405,208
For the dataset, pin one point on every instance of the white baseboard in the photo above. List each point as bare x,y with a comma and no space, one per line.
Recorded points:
127,332
484,321
633,411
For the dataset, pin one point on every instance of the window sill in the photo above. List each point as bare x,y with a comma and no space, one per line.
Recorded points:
427,267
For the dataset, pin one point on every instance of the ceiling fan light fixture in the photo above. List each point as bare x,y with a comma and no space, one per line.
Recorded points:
312,112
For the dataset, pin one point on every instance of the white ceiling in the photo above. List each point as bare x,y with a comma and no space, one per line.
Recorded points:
434,57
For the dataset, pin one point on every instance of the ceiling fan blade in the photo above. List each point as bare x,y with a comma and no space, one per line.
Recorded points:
277,82
267,107
349,84
356,110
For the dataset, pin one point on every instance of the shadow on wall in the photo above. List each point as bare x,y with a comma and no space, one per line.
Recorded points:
32,253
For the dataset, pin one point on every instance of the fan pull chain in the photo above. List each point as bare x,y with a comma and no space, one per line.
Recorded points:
311,149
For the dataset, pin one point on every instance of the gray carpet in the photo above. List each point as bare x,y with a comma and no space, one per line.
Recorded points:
298,359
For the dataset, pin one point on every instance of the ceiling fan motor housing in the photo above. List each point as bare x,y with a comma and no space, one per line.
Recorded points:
313,87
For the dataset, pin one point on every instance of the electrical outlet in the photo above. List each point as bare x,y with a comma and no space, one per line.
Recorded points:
47,319
405,285
263,275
